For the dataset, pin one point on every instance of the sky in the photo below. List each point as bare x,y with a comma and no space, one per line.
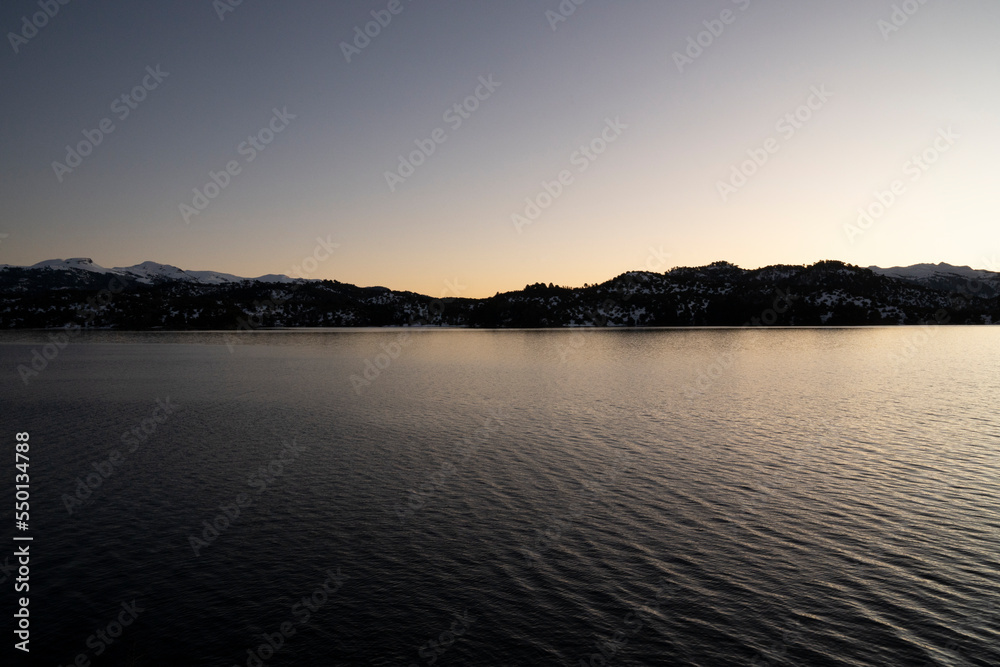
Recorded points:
589,139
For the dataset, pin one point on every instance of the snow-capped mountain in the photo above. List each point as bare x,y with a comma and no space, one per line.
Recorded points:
923,271
82,263
153,272
149,273
946,277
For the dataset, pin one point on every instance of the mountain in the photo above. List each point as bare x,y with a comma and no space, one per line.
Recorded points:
945,277
155,296
147,273
73,264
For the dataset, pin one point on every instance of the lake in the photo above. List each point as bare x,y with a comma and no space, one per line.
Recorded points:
466,497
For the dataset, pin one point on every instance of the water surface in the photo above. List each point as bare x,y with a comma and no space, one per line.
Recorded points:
670,497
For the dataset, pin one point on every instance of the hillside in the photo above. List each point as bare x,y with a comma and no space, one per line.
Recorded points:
827,293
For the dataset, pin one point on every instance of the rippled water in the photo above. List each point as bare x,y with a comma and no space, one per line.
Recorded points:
691,497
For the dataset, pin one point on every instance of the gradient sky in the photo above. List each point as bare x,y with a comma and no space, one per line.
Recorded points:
448,228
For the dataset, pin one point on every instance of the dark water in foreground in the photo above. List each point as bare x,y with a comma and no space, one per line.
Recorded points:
806,497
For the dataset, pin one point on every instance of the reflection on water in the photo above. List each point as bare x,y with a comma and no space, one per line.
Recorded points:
688,497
